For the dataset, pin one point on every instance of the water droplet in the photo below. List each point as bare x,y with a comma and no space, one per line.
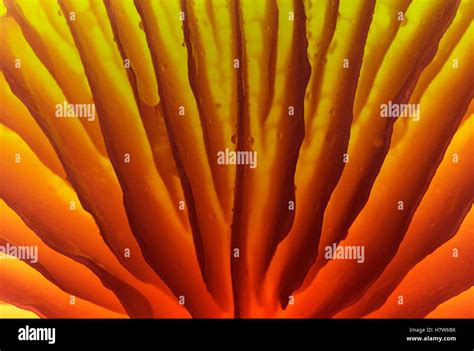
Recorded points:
378,142
332,112
279,136
251,140
234,139
140,25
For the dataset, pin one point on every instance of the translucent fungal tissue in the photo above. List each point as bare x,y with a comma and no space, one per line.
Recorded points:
236,159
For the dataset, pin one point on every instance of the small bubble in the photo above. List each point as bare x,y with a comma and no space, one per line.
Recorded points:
378,142
233,138
332,112
251,140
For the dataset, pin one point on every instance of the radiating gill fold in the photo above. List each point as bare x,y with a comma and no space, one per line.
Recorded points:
211,46
67,274
460,306
28,289
157,228
11,311
321,157
446,45
391,206
16,116
58,54
89,172
412,48
421,290
272,127
211,234
131,41
321,20
182,158
444,206
71,231
125,22
389,16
